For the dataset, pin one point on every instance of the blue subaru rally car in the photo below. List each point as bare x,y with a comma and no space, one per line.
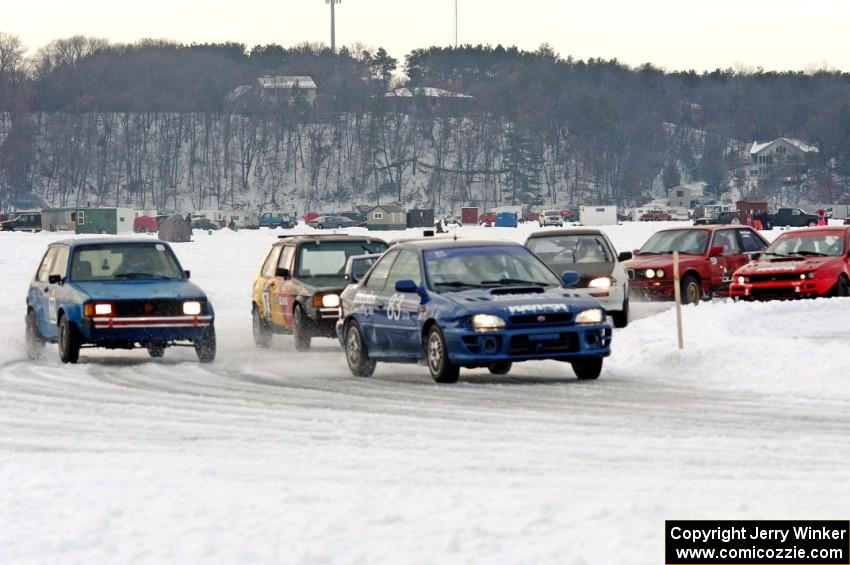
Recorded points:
118,294
469,303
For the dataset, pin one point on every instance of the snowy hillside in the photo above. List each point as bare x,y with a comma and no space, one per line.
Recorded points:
268,456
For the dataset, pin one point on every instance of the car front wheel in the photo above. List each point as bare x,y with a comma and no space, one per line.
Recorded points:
69,341
621,318
691,291
355,352
35,341
205,347
156,350
501,368
262,333
587,368
437,355
301,329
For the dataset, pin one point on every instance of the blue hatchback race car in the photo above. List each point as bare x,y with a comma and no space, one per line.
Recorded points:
469,303
116,293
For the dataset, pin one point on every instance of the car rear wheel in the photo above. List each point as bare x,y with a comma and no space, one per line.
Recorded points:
621,318
587,368
156,350
69,341
501,368
205,346
301,329
691,291
436,354
355,352
35,341
262,333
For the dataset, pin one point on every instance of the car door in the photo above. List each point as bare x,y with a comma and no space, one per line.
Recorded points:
751,246
40,294
402,309
60,294
723,265
373,301
266,282
282,292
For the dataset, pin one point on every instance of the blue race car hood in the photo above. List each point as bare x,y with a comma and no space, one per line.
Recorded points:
139,289
514,301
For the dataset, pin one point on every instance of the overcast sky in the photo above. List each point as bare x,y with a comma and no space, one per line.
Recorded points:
676,34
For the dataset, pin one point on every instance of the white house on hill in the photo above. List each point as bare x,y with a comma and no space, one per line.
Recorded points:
783,151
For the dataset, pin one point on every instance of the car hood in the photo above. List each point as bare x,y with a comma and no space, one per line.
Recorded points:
661,261
137,290
785,265
587,271
514,301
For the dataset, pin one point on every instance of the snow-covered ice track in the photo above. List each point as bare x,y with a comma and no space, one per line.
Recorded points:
272,456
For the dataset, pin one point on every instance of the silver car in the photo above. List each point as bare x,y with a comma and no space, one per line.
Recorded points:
590,253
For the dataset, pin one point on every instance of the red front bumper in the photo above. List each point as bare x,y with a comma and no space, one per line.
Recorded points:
778,290
651,289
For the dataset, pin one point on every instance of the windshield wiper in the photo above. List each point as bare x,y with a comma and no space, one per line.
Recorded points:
457,284
812,254
141,276
513,281
775,253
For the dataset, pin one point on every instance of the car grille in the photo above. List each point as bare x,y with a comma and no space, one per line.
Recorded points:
774,293
775,277
523,344
534,319
133,308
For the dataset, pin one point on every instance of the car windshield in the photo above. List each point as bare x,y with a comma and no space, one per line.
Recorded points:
692,242
462,268
128,261
328,258
813,244
585,248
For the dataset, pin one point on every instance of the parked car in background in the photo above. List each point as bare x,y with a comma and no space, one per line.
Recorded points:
589,252
329,222
297,289
707,258
550,218
487,219
145,224
806,263
285,220
453,304
725,218
656,216
793,217
22,221
205,224
359,218
117,294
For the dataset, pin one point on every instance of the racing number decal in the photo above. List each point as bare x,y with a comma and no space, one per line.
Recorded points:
51,309
266,309
394,307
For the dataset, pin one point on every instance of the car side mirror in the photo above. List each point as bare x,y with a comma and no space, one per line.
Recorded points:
282,273
54,279
406,285
570,279
635,251
624,256
187,274
716,250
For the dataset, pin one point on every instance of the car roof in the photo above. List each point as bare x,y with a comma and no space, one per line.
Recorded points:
307,238
569,231
708,227
442,243
839,228
106,240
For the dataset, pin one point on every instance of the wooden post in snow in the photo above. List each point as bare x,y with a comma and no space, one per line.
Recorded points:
677,293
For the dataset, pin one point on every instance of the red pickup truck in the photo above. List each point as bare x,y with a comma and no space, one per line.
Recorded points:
708,255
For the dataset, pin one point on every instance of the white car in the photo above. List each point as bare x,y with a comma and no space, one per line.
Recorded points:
590,253
550,218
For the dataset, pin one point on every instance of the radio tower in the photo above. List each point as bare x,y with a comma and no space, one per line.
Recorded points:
333,22
455,23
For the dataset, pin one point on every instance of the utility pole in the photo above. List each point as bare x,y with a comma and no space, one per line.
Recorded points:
333,22
455,24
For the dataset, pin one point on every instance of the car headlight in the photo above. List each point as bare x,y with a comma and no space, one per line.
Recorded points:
601,282
590,316
192,308
743,280
809,275
330,301
659,273
649,273
102,309
487,322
